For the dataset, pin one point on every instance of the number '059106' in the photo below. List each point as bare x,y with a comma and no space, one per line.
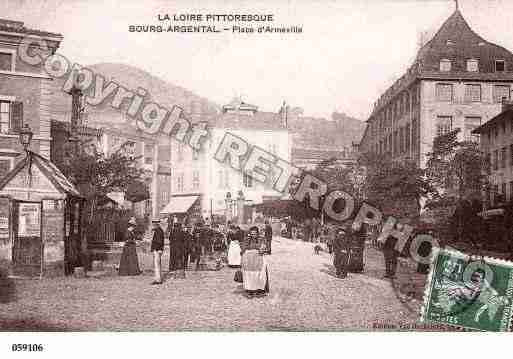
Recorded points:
27,347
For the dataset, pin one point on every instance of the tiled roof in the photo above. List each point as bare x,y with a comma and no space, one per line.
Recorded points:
19,27
457,42
505,115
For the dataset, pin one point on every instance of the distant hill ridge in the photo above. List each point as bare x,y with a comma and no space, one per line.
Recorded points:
308,132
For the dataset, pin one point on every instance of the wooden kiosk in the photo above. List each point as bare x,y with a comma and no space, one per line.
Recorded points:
40,227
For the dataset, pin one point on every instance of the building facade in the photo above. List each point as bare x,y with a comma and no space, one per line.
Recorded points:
458,80
496,141
199,174
25,95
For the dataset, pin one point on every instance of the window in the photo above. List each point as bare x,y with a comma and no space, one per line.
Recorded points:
247,180
471,123
401,140
164,198
5,166
500,66
195,154
473,93
511,155
495,160
510,190
148,153
500,92
407,139
472,65
444,92
179,182
6,61
503,190
5,115
195,180
445,65
443,125
390,143
503,157
396,142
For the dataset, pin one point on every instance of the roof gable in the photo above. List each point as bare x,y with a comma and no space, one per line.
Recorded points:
456,41
45,177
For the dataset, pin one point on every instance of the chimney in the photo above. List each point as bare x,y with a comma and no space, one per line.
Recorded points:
506,104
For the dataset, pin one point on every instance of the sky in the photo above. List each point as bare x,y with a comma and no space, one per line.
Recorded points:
348,53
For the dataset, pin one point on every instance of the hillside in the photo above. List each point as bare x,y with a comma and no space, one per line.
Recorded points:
162,92
319,133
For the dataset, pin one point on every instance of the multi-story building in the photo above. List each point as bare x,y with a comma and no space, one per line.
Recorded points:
496,141
198,176
25,95
458,80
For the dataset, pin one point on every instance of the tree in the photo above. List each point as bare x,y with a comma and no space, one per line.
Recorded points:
458,173
456,169
96,174
396,187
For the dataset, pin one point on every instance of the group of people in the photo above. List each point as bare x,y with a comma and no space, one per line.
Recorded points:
189,244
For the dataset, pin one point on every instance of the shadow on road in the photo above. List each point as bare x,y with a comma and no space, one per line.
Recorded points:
7,288
30,325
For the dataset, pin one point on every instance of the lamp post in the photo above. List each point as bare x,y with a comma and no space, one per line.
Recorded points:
26,137
240,207
228,202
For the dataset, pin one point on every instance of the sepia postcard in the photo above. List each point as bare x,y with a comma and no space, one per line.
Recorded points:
255,166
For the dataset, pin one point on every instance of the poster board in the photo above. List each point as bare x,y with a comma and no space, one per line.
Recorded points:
29,220
4,218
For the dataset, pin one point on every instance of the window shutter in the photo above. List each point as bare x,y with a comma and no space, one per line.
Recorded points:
17,116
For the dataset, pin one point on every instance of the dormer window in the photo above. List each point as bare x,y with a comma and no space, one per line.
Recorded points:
445,65
472,65
500,66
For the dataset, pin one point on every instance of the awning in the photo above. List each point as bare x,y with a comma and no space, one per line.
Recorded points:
179,204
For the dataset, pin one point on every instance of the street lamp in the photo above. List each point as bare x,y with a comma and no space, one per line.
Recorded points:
228,202
26,137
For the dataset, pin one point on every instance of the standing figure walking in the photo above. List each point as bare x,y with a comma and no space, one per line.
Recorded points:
340,252
268,235
129,263
255,272
234,249
157,246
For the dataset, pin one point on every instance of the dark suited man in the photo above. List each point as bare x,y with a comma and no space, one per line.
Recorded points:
340,252
157,247
268,234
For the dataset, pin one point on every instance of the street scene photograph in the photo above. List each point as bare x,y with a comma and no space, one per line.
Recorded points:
255,166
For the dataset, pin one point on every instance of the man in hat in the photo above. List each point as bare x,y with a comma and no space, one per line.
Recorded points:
268,235
341,252
157,247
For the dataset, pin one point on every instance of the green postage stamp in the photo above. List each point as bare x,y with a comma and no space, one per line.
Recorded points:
467,292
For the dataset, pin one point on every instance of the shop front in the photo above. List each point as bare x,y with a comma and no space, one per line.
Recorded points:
183,207
40,211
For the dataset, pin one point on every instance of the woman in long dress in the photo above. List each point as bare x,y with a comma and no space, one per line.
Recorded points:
129,263
176,248
234,250
255,272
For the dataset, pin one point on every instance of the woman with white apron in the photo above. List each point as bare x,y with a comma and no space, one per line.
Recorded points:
234,256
